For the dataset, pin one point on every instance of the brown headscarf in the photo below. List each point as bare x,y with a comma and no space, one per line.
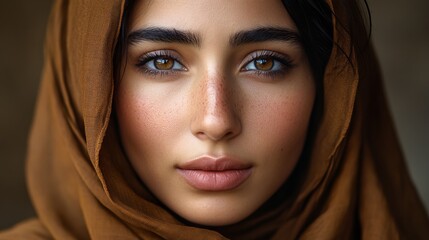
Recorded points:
354,183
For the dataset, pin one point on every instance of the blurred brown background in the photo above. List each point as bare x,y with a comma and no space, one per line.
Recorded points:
400,34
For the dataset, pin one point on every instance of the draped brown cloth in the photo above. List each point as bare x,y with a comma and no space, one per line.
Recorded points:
352,185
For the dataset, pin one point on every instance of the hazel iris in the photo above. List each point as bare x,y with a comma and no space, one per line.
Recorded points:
264,64
164,63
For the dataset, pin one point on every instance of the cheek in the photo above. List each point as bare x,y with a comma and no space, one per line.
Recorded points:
281,122
146,122
290,119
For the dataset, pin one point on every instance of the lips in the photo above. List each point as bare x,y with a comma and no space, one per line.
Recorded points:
215,174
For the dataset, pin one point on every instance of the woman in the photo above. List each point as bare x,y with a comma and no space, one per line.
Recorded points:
209,120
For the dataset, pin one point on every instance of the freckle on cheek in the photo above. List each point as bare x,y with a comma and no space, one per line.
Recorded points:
148,120
134,116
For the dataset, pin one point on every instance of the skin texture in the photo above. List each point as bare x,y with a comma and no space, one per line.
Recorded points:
213,105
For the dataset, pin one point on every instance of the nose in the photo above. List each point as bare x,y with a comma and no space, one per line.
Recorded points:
216,115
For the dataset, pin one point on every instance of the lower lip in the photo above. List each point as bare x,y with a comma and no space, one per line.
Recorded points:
215,180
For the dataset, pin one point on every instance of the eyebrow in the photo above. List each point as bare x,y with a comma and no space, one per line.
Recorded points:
172,35
263,34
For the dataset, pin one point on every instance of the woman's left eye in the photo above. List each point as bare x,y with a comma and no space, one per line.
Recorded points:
264,64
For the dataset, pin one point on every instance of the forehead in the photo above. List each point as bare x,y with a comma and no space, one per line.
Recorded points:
210,15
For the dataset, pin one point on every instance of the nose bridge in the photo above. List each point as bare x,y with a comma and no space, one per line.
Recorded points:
216,95
216,116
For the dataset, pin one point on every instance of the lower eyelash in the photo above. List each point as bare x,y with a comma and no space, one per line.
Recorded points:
271,74
157,72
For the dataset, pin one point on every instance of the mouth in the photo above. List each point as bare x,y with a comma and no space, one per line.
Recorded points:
215,174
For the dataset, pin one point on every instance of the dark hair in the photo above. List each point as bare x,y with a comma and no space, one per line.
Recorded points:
121,44
313,20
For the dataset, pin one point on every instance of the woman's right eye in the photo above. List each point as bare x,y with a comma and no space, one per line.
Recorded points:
164,64
159,63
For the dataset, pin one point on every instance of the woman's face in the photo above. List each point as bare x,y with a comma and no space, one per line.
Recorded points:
214,104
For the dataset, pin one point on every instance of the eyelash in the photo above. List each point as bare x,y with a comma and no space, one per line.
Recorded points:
285,63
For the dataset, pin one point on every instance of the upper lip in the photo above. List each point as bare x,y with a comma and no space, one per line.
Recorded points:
209,163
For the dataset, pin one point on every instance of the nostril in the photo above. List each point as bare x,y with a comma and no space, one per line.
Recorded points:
201,135
215,135
228,135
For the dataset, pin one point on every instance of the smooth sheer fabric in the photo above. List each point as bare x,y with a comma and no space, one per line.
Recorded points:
351,183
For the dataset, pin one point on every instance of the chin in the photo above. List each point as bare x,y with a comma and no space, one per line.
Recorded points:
214,219
214,212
